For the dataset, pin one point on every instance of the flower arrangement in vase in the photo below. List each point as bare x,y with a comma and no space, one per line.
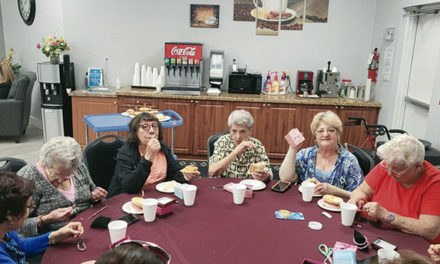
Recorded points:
52,47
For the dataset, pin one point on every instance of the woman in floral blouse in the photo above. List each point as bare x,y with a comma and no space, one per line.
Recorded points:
335,169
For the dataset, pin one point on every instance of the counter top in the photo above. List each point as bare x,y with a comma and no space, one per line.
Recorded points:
232,97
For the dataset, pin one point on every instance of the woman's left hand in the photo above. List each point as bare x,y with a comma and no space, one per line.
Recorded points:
71,230
375,210
260,175
321,188
99,194
191,175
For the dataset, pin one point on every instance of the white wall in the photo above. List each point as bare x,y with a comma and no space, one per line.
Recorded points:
2,41
390,14
135,31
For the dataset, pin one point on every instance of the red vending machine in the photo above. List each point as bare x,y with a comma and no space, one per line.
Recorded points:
184,68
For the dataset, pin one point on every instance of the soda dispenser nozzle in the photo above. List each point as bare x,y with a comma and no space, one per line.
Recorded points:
191,66
197,66
173,65
185,64
167,64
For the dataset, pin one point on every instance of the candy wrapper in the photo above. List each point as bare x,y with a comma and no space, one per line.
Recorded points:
284,214
344,246
294,137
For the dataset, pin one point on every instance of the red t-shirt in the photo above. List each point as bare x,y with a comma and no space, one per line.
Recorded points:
421,198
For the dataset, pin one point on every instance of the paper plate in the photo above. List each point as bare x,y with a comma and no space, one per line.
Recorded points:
166,187
314,195
130,208
256,185
329,207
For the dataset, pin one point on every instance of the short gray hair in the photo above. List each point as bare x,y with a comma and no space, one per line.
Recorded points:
402,149
64,152
241,118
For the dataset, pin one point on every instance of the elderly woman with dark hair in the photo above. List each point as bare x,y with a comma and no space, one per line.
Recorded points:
145,159
235,152
335,169
403,190
15,204
63,186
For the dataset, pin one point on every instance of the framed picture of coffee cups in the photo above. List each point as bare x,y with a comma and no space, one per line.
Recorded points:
204,16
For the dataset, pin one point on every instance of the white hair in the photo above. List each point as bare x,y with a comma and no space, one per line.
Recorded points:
63,152
402,149
241,118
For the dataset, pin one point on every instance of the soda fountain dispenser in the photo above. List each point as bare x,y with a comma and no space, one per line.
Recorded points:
183,61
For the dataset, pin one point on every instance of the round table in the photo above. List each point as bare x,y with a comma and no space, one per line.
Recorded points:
215,230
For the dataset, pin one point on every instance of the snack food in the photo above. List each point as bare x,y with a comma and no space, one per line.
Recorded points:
169,186
130,111
137,201
257,166
189,169
144,109
331,199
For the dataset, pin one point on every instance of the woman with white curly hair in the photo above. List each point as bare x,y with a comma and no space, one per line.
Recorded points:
403,190
63,186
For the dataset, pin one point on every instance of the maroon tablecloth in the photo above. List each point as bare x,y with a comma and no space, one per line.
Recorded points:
215,230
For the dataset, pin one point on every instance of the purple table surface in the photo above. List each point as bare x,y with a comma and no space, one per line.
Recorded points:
215,230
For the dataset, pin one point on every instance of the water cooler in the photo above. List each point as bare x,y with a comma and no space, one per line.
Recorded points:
56,80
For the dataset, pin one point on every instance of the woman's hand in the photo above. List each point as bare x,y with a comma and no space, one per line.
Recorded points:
99,194
321,188
374,210
57,215
243,146
434,252
191,175
153,147
260,175
71,230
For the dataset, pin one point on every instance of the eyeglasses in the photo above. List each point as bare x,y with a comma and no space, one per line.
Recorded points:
31,207
392,172
147,127
329,131
160,252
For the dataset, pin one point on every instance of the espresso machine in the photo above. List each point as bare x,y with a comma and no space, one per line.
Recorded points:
56,81
184,68
305,82
327,82
215,71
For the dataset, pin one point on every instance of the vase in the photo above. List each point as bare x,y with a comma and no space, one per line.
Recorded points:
54,59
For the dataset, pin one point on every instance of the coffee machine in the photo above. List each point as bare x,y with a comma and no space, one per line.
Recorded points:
328,82
305,82
215,71
56,81
184,68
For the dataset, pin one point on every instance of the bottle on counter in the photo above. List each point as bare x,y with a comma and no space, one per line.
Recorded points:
234,65
86,81
268,83
283,83
275,84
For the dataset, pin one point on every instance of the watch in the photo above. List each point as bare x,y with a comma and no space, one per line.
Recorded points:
390,218
27,10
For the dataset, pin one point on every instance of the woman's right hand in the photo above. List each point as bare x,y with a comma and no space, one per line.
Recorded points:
243,146
71,230
153,147
58,215
434,252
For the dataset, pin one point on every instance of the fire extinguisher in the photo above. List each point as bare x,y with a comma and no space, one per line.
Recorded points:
373,65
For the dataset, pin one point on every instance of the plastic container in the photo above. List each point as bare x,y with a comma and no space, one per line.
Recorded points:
268,83
343,89
283,83
275,84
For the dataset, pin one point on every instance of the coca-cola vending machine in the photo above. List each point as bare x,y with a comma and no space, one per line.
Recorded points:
184,68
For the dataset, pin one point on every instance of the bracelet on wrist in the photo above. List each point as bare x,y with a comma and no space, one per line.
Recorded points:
40,221
51,240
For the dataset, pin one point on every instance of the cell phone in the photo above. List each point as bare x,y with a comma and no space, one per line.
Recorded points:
130,218
281,186
380,243
310,261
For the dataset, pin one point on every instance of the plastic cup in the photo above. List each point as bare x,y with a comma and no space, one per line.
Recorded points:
307,189
189,195
348,212
117,230
149,207
238,191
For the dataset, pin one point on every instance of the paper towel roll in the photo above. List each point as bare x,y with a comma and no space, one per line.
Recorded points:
149,76
144,75
137,75
155,76
367,90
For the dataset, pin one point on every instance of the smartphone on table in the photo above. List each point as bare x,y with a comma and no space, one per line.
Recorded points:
130,218
380,243
281,186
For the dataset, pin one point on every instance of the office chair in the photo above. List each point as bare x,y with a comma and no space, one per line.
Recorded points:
99,157
365,160
12,164
211,140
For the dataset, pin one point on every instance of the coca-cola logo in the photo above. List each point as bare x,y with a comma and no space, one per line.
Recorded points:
188,51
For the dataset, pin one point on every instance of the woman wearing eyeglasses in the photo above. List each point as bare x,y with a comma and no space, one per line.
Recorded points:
63,186
335,170
145,159
15,203
403,190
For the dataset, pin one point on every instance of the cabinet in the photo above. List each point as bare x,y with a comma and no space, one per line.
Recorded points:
82,106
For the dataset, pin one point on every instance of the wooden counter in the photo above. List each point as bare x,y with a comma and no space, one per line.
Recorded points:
205,115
